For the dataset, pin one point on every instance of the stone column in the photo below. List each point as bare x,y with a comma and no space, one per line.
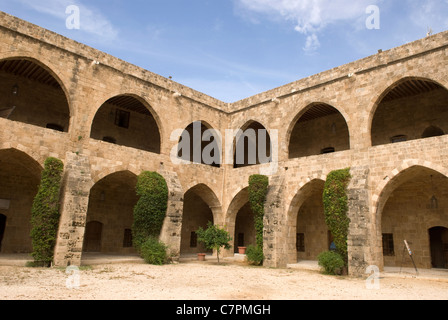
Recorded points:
172,226
274,224
75,193
360,235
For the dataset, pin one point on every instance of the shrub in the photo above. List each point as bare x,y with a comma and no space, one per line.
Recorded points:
150,210
45,213
255,255
331,262
154,251
335,202
258,188
214,238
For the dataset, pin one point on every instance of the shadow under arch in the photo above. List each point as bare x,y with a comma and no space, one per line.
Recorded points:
406,109
410,203
111,205
20,176
318,129
200,143
306,218
32,93
201,206
128,120
253,147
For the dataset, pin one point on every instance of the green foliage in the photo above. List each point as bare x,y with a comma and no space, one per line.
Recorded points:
45,212
150,210
214,238
255,255
331,262
154,252
258,189
335,202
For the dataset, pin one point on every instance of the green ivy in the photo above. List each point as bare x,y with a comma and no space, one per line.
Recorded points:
335,202
258,189
150,210
45,212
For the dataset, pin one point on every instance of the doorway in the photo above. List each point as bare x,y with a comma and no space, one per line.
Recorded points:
439,247
92,237
2,229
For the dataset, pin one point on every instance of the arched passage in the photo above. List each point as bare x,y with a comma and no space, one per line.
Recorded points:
308,232
31,93
126,120
253,146
110,214
200,207
320,129
201,144
412,203
19,181
410,109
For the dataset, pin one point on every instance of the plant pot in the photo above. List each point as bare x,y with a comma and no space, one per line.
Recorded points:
201,256
242,250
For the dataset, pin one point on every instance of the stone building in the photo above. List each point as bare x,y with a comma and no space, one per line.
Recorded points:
385,117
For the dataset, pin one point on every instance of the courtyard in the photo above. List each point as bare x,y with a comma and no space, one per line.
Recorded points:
231,280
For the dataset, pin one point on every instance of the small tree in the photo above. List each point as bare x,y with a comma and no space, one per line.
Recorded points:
214,238
45,212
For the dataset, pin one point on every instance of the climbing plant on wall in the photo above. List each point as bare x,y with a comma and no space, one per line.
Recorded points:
258,188
335,202
45,212
150,210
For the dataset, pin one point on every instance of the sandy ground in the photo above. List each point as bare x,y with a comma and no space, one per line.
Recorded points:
199,281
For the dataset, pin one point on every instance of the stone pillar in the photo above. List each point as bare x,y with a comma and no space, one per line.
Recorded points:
76,187
360,234
274,224
172,226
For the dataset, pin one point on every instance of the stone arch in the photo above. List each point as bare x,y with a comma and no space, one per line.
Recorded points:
20,177
130,121
241,150
404,210
22,74
302,216
239,204
393,115
201,205
111,203
318,127
190,150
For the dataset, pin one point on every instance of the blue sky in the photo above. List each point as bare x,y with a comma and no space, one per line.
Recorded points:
233,49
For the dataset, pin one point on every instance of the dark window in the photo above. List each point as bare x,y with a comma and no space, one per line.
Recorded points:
122,118
193,240
56,127
300,244
328,150
399,138
240,239
388,244
127,239
432,131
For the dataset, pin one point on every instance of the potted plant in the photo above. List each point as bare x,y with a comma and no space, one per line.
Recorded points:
242,250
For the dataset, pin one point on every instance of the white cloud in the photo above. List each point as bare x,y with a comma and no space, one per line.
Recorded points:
309,16
92,21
